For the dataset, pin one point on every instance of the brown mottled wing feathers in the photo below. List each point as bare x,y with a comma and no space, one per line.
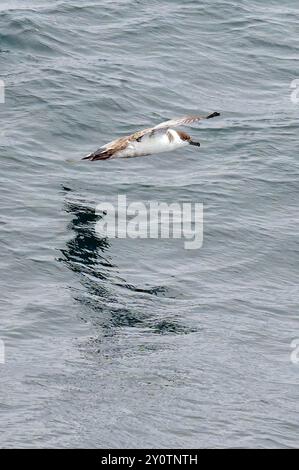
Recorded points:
108,150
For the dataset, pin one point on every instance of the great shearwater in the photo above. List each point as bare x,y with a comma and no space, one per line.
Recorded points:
158,139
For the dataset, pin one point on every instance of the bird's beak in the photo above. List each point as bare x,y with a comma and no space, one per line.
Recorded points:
197,144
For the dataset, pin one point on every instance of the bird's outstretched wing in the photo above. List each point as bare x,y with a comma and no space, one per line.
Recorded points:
184,121
164,126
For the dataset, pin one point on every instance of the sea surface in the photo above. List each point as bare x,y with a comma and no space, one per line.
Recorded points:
127,343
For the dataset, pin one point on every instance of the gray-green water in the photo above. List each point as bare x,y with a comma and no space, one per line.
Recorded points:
142,343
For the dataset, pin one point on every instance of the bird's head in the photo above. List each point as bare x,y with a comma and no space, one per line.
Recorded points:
188,139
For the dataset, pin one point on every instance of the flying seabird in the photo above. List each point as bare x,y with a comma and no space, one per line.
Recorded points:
158,139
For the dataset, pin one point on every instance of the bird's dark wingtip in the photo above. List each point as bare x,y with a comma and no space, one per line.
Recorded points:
213,115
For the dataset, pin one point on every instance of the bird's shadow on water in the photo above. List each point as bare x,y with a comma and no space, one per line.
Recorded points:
104,292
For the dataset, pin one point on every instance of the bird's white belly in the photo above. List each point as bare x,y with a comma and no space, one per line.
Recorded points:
157,144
